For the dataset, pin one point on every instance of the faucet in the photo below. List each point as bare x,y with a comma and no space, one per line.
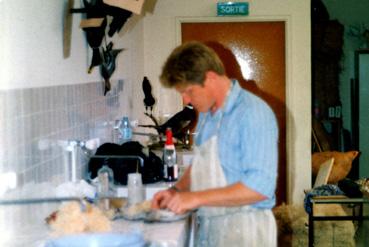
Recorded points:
82,145
72,146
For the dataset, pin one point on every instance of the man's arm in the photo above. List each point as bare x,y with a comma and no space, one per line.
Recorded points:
233,195
184,183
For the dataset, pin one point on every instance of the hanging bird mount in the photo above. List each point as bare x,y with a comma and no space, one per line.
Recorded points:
95,24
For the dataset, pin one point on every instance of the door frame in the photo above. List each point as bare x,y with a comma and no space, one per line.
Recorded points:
289,85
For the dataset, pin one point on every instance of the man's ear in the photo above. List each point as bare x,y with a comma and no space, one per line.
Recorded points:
211,74
210,77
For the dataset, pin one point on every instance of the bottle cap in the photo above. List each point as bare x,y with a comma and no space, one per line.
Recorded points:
169,136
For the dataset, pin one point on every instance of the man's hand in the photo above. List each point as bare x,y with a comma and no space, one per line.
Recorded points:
232,195
161,199
178,202
181,202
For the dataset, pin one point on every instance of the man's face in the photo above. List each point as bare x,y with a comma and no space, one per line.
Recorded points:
198,96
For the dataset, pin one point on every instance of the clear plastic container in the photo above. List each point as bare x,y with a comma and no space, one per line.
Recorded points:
136,190
106,181
105,186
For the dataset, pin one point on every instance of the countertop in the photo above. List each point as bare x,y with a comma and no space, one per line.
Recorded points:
23,224
159,234
168,234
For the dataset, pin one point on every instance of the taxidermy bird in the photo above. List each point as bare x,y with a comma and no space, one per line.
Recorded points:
108,65
94,36
120,17
94,26
95,10
149,100
179,123
341,166
98,9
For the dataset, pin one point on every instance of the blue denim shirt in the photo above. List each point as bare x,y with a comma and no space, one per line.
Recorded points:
247,142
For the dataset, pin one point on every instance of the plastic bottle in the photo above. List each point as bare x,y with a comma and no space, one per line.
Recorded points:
106,179
170,158
126,130
136,190
106,185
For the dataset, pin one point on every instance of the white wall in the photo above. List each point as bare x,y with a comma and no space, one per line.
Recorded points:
32,50
160,39
33,46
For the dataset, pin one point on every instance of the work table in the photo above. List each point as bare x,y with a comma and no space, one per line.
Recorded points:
31,229
166,234
22,221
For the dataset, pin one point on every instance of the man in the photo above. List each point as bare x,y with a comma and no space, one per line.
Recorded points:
232,178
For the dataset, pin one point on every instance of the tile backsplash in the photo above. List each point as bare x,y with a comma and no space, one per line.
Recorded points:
35,122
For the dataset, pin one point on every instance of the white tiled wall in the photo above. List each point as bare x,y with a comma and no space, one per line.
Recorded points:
33,121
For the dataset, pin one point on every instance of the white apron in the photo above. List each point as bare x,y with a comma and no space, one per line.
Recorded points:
242,226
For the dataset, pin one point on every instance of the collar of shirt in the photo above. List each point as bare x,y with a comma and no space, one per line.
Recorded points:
236,89
212,120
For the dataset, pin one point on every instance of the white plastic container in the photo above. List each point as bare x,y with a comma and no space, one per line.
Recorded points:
136,190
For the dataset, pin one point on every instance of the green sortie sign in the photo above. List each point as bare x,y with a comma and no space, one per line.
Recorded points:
232,8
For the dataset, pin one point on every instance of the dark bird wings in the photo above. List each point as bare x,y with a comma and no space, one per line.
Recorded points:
179,123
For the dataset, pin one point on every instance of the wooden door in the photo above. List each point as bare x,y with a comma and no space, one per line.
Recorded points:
254,54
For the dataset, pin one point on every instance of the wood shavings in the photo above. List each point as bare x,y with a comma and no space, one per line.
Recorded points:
71,219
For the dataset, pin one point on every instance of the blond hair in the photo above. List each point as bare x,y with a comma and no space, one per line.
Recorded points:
188,64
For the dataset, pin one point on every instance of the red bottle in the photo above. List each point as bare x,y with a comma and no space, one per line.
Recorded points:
170,158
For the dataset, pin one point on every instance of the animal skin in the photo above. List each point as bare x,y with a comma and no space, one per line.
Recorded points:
341,166
292,222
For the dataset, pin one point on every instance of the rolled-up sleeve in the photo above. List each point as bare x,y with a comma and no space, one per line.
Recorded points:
260,149
249,149
247,132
